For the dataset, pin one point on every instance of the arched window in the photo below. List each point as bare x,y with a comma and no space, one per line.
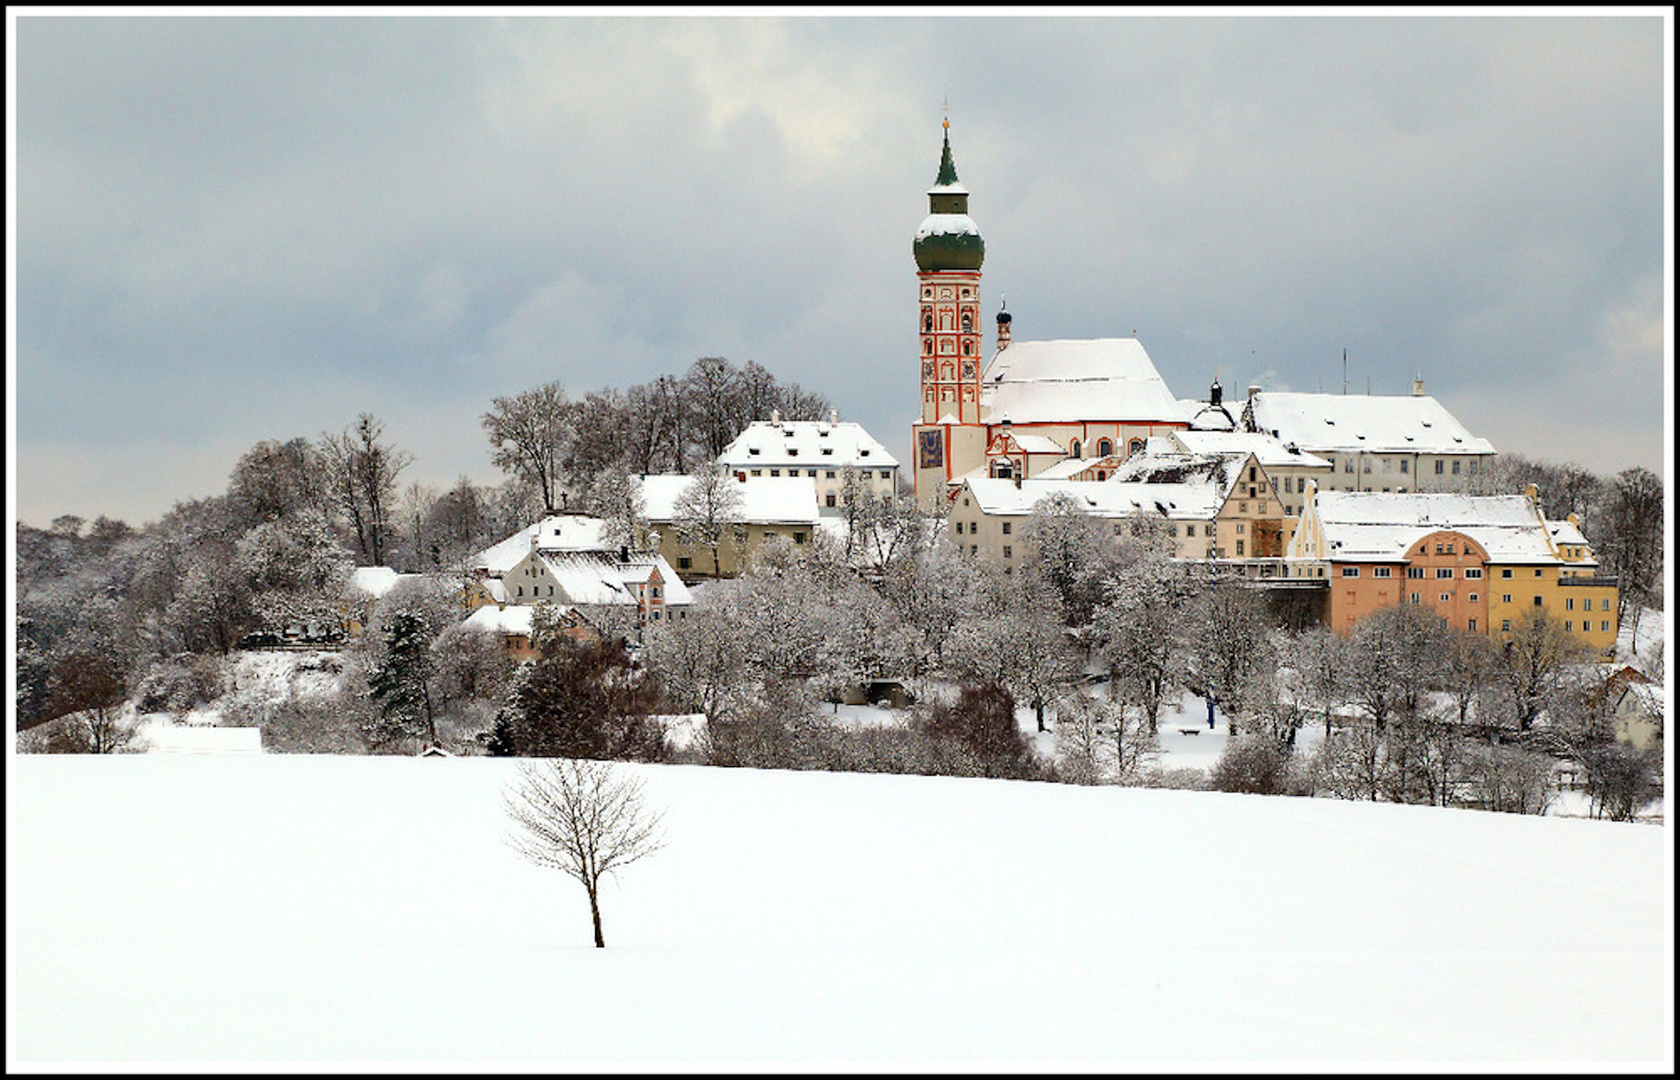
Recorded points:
1136,445
1104,448
1073,449
968,322
968,348
927,323
927,348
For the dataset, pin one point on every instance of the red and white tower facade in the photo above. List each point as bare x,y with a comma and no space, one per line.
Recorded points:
949,252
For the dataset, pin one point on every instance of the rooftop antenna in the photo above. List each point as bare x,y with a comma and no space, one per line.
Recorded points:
1344,369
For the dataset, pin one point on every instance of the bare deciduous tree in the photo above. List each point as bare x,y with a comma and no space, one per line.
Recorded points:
531,433
583,819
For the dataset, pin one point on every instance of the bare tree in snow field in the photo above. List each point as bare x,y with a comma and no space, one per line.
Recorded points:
580,817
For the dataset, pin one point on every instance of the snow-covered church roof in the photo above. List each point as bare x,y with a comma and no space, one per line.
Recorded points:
1383,424
1072,380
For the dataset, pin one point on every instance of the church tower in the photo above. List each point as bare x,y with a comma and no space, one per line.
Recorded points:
948,250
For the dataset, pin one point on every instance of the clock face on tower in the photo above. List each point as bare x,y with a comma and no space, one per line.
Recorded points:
968,369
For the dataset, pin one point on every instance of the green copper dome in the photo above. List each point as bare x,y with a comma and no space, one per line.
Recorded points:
948,238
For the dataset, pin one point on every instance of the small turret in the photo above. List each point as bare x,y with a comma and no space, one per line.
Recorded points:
1003,321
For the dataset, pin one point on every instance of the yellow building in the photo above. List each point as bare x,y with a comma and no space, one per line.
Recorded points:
1482,561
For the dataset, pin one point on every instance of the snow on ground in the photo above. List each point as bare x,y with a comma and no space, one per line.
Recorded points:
1643,648
319,909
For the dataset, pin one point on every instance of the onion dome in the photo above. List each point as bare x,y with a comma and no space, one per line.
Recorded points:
948,239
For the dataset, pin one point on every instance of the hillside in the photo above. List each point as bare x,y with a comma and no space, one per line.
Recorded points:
332,909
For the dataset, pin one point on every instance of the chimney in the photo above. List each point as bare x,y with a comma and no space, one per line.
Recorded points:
834,416
775,416
1417,385
1253,388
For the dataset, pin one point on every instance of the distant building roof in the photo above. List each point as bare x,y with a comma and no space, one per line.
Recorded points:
558,532
1384,424
1063,380
1196,500
1382,525
806,443
1269,451
765,500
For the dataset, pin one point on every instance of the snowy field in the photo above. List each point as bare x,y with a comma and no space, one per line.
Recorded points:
310,910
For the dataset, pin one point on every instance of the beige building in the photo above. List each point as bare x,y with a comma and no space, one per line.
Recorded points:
1220,509
784,506
820,451
1382,443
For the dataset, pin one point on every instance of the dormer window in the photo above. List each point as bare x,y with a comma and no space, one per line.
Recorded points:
828,450
752,451
863,453
793,451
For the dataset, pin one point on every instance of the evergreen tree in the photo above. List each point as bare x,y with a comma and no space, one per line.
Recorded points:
581,700
398,682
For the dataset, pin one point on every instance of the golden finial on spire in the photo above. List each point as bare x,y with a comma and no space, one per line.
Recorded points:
947,112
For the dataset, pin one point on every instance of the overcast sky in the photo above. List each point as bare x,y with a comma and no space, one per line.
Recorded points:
238,228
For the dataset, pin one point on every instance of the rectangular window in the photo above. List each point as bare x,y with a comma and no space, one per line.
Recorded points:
1347,465
684,562
828,500
758,472
1446,598
775,472
886,474
1456,464
1505,572
799,538
1604,626
974,549
1472,571
1568,626
959,526
1350,571
1239,545
1505,625
1414,571
1443,572
1536,601
1006,527
1382,571
831,474
1416,598
1006,551
1239,527
1405,466
1289,485
1604,605
1440,467
1367,467
1506,599
1569,604
1475,597
1472,625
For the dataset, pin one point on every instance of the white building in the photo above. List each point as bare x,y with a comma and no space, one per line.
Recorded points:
1395,443
818,450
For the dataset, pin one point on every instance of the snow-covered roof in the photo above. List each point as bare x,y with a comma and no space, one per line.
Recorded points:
1384,424
1037,444
1565,532
1068,468
1205,416
374,580
1382,525
1221,471
601,577
1066,380
559,532
1199,500
765,500
808,444
1270,452
513,619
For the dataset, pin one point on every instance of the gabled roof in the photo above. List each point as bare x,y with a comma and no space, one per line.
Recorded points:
765,500
1383,424
559,532
807,443
1068,468
1269,451
1198,501
1382,525
601,577
1067,380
